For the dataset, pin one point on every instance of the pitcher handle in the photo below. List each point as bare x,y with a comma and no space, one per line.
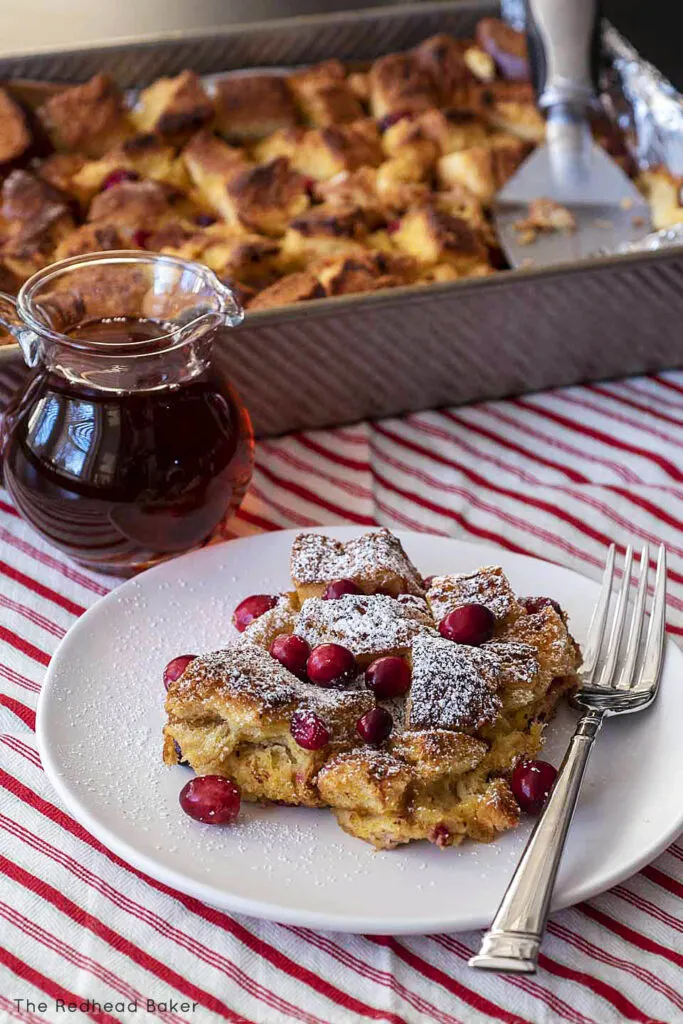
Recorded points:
28,340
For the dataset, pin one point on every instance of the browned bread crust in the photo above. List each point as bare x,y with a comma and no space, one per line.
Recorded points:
298,287
15,137
88,118
253,106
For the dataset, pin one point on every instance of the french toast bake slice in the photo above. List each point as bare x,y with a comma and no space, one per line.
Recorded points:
470,714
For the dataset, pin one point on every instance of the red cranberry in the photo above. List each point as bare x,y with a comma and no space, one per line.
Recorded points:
440,835
393,226
531,782
204,220
338,588
252,608
470,624
375,725
428,580
211,799
388,677
141,238
309,731
292,652
537,604
330,665
176,667
309,184
391,119
117,177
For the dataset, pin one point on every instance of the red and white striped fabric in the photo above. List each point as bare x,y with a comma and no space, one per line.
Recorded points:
558,475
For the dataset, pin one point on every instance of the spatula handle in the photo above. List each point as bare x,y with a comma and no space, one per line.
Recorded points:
564,50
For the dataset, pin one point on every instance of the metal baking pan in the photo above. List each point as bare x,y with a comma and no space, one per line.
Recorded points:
339,360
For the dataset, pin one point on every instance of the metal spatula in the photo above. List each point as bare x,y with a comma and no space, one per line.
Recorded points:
570,169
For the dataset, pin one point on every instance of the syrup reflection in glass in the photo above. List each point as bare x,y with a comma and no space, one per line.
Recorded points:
126,445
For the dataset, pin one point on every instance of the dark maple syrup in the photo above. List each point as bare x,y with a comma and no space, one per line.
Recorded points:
118,479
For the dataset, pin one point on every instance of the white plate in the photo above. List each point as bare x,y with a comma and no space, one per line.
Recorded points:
99,728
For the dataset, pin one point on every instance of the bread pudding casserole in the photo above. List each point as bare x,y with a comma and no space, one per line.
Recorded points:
403,704
323,181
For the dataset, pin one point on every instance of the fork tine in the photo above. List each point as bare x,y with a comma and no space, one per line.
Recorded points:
627,674
614,645
598,619
654,645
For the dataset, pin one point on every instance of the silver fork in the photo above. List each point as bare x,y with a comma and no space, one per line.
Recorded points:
626,682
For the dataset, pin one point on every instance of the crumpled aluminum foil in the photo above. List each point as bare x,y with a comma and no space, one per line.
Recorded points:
644,104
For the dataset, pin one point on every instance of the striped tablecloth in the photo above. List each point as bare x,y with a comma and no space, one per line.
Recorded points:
558,475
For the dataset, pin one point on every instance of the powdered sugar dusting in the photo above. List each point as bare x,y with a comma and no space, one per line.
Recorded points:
365,624
518,662
248,672
488,586
453,686
372,560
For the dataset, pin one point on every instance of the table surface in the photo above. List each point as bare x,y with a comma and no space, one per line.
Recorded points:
558,475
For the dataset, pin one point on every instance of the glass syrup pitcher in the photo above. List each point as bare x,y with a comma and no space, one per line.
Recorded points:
126,445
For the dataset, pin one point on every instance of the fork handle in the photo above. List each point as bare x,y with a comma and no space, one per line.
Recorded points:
512,944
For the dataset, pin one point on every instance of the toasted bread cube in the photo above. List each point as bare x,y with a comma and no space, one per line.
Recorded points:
488,586
252,259
366,781
359,84
436,754
453,130
443,58
266,198
545,631
480,63
369,625
299,287
146,156
663,192
88,119
400,82
173,107
190,241
350,188
398,195
253,106
408,141
211,164
453,686
37,218
15,137
284,142
325,152
375,562
324,231
323,95
433,236
94,238
511,107
440,273
135,204
370,272
59,170
482,169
